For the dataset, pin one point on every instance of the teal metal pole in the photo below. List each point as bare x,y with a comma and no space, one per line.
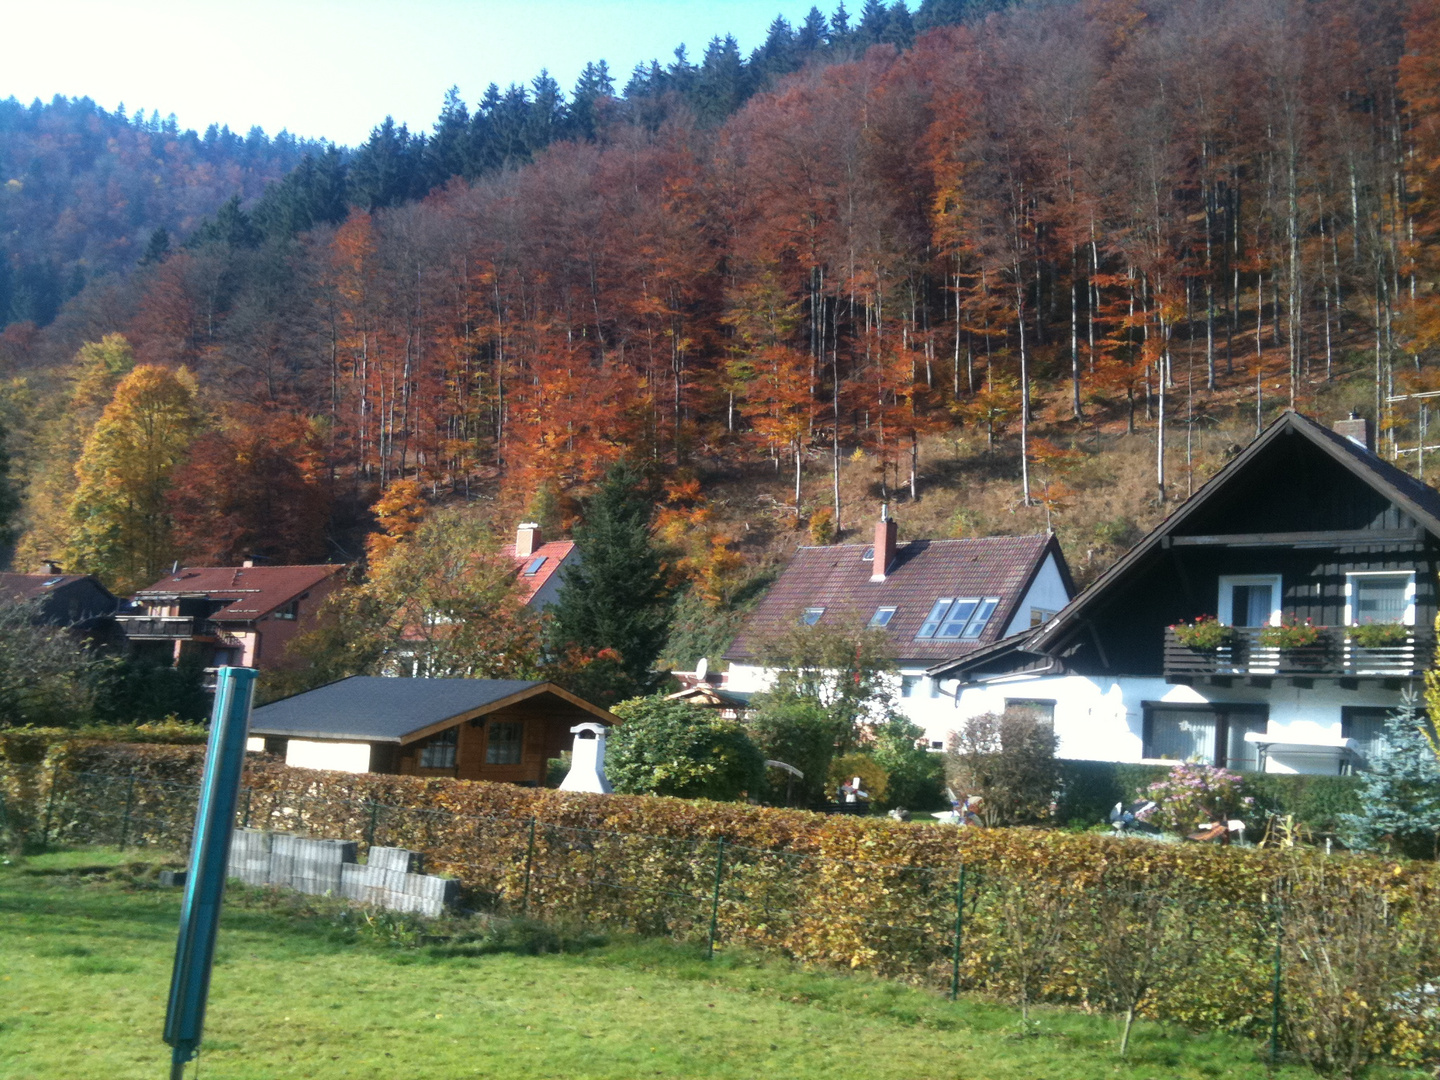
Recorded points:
209,853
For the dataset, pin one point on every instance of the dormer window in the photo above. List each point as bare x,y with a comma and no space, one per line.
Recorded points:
882,617
958,618
289,611
812,615
533,566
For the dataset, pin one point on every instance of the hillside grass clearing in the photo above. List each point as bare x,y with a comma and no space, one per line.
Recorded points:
309,988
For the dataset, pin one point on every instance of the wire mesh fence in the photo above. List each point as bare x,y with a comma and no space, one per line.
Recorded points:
1316,955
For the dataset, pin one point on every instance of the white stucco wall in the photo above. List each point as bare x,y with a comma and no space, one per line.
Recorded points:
1047,592
352,757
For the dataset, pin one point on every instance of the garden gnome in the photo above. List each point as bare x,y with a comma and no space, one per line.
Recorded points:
587,760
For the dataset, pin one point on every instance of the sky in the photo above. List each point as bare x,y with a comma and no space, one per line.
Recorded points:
335,68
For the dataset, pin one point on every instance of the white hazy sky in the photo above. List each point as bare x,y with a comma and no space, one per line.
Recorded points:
335,68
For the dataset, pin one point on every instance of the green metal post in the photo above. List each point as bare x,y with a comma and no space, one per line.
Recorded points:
125,818
529,863
245,821
1275,989
959,934
370,828
715,899
50,803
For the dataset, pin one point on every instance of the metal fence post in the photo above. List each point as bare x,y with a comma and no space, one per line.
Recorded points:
370,828
1275,989
715,899
50,803
959,934
529,864
245,821
125,818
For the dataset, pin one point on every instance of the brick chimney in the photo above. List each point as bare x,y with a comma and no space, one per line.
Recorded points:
885,531
1358,430
527,539
50,566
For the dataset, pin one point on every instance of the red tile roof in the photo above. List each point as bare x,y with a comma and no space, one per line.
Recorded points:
253,591
837,578
553,553
30,586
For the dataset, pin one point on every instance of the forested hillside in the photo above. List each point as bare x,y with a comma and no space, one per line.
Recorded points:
1078,246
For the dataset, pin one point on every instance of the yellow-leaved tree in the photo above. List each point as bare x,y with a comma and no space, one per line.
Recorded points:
120,521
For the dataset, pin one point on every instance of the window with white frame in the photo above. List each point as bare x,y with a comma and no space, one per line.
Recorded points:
1251,600
811,615
882,616
1380,597
958,617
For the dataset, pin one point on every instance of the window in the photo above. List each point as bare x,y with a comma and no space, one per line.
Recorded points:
1250,601
289,611
439,751
503,745
533,566
1366,725
812,615
1213,734
1042,709
1379,598
882,616
908,683
963,617
1040,616
868,555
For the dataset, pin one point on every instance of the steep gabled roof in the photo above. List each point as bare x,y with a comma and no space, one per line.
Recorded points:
837,578
1416,499
252,591
553,553
372,708
34,586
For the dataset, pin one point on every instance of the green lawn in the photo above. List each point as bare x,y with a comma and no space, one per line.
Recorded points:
300,991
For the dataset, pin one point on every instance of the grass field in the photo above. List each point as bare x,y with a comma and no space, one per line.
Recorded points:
303,989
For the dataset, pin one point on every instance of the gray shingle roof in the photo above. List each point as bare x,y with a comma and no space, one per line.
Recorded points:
837,578
374,708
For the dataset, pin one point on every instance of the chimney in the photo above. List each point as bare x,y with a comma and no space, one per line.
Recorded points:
527,539
50,566
248,563
1358,430
885,530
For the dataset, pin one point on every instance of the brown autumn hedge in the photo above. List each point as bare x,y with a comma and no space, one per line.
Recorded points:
1046,914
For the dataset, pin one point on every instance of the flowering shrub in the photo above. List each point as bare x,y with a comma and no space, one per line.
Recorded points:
1206,632
1291,635
1378,635
1194,794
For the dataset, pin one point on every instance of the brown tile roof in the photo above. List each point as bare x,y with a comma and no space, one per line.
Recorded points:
253,591
553,553
837,578
31,586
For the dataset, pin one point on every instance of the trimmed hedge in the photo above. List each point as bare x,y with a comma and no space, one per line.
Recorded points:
1046,912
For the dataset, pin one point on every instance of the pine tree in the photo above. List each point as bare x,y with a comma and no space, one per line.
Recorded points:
616,601
1400,802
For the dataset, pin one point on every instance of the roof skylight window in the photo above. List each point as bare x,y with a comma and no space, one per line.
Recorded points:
533,566
963,618
882,616
868,555
812,615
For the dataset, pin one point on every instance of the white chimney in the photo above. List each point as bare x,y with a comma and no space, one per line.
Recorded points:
527,539
587,760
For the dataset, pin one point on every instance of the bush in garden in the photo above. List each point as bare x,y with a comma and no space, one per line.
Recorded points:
665,747
1194,794
915,776
799,730
874,780
1008,759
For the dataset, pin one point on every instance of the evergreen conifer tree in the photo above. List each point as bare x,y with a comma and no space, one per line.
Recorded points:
1400,802
615,599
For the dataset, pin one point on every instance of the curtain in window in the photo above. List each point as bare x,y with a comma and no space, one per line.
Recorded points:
1379,598
1239,754
1181,734
1251,605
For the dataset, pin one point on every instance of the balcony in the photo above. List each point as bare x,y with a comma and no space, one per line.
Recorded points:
156,627
1332,656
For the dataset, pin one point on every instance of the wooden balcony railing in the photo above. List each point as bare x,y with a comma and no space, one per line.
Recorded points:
1334,655
157,626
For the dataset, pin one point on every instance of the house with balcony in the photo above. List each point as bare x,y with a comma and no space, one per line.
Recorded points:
1269,623
932,599
228,615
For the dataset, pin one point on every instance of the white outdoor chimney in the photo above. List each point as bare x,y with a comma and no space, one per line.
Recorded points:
527,539
885,533
1358,430
587,760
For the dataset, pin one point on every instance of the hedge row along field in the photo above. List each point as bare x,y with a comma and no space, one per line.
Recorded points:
1179,932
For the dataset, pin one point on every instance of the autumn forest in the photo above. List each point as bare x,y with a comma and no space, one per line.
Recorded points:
1035,235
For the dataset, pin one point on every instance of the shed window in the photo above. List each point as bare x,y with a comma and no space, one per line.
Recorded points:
439,751
503,746
812,615
882,616
533,566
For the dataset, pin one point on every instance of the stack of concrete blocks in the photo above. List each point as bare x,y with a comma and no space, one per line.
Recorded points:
391,878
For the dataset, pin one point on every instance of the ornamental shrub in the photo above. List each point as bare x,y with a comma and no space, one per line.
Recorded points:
1195,794
1399,805
1291,635
665,747
1205,632
1378,635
